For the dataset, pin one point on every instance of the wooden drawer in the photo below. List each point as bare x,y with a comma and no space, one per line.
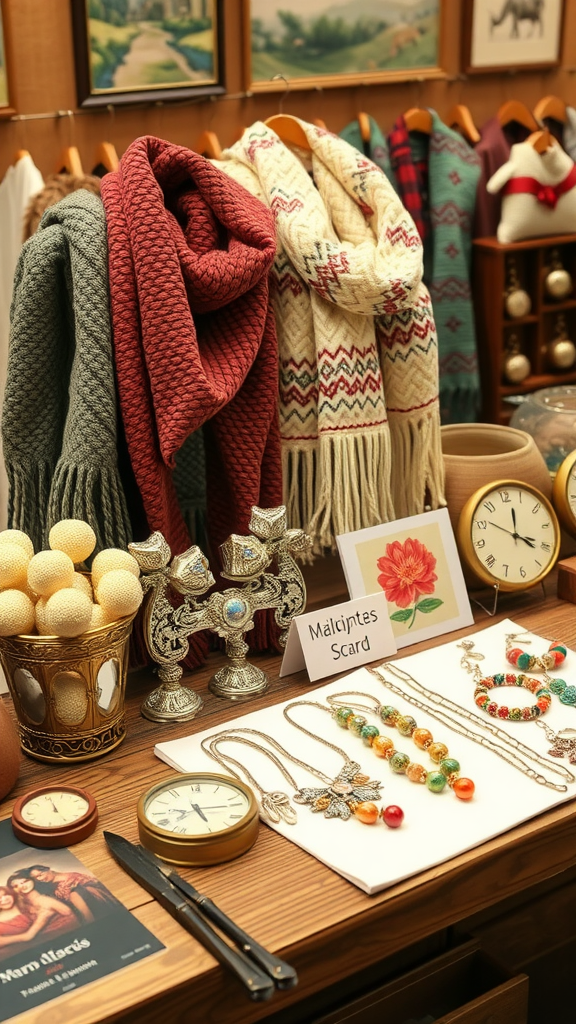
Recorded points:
463,986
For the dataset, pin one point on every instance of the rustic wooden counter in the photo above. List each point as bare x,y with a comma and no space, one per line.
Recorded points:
322,924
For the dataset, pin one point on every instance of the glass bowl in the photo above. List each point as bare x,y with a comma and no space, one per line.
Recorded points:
549,415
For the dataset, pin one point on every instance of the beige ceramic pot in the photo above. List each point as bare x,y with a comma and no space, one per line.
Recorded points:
481,453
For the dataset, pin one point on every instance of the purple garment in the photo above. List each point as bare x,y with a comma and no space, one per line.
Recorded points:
494,151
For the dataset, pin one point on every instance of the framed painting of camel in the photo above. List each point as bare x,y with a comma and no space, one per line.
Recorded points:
142,51
500,35
317,44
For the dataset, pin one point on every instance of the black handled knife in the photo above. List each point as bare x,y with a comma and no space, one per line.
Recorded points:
282,973
131,857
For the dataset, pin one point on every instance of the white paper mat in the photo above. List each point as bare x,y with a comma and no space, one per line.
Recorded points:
436,826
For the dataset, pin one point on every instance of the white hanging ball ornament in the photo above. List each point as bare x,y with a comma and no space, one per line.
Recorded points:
68,612
120,594
73,536
113,558
14,561
49,571
17,537
16,613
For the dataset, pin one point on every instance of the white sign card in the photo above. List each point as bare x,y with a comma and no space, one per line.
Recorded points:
415,563
339,638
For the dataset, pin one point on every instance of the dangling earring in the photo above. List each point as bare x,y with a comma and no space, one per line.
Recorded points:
561,351
516,365
517,302
558,282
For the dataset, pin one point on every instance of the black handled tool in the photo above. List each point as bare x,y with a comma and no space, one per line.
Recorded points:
283,975
131,857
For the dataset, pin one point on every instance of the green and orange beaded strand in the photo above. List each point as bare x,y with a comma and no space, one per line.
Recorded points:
447,772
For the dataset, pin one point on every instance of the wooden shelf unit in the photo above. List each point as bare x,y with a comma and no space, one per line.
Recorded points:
494,327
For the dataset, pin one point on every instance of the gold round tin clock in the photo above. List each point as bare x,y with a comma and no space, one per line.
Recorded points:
200,818
508,535
564,493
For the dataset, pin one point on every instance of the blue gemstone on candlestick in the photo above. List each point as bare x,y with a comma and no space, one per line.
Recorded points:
234,610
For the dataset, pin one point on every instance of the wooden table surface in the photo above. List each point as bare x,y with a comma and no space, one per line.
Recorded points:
291,903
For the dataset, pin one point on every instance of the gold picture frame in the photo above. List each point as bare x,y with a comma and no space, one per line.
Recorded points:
314,40
146,51
6,92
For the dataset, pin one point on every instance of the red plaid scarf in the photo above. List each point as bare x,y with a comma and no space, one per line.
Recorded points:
411,175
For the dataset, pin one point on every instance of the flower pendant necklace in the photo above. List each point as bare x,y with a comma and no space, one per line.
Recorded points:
348,794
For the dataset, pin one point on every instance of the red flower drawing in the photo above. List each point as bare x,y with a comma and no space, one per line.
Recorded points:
407,571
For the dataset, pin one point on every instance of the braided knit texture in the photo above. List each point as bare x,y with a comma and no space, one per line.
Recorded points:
194,337
59,425
354,325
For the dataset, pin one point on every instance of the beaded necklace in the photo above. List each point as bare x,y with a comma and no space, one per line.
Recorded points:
511,747
447,771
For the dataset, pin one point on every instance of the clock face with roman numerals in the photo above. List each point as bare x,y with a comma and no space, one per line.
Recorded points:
509,535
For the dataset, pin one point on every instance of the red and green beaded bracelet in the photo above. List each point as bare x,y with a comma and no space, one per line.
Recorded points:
484,700
554,657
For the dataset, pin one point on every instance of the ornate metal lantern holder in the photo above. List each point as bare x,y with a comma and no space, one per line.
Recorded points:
229,613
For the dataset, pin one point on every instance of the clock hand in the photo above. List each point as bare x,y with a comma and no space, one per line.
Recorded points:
200,812
515,534
503,528
527,541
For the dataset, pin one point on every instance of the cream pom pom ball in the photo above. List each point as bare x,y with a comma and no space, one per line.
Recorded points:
82,583
120,593
113,558
49,571
40,612
98,617
73,536
16,613
17,537
68,612
14,561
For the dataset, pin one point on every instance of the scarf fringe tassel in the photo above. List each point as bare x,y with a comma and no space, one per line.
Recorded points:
418,465
338,486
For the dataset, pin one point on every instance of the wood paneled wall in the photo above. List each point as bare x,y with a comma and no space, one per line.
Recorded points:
43,80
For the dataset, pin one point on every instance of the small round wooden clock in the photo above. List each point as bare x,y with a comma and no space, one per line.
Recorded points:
564,493
508,535
199,818
54,816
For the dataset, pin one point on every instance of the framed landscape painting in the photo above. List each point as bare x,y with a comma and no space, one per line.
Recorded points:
500,35
6,108
135,51
326,43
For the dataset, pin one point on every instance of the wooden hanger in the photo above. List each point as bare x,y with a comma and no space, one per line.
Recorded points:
540,140
289,129
320,124
364,126
514,110
106,156
208,144
461,119
19,154
551,106
417,119
69,162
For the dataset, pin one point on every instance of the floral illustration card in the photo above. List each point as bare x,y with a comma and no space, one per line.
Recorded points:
415,562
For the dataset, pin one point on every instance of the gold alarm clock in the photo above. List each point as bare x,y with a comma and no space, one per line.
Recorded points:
564,493
508,535
198,819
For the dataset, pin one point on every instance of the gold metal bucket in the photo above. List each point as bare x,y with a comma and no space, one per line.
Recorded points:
69,692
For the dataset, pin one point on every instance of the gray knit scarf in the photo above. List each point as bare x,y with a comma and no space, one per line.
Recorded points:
59,414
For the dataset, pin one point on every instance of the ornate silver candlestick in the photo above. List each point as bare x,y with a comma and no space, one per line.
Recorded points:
229,613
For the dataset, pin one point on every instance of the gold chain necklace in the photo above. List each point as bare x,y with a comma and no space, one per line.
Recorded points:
339,797
512,748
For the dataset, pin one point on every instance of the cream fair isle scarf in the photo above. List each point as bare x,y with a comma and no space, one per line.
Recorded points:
347,274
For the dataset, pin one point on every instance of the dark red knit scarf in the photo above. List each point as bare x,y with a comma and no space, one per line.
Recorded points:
194,336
